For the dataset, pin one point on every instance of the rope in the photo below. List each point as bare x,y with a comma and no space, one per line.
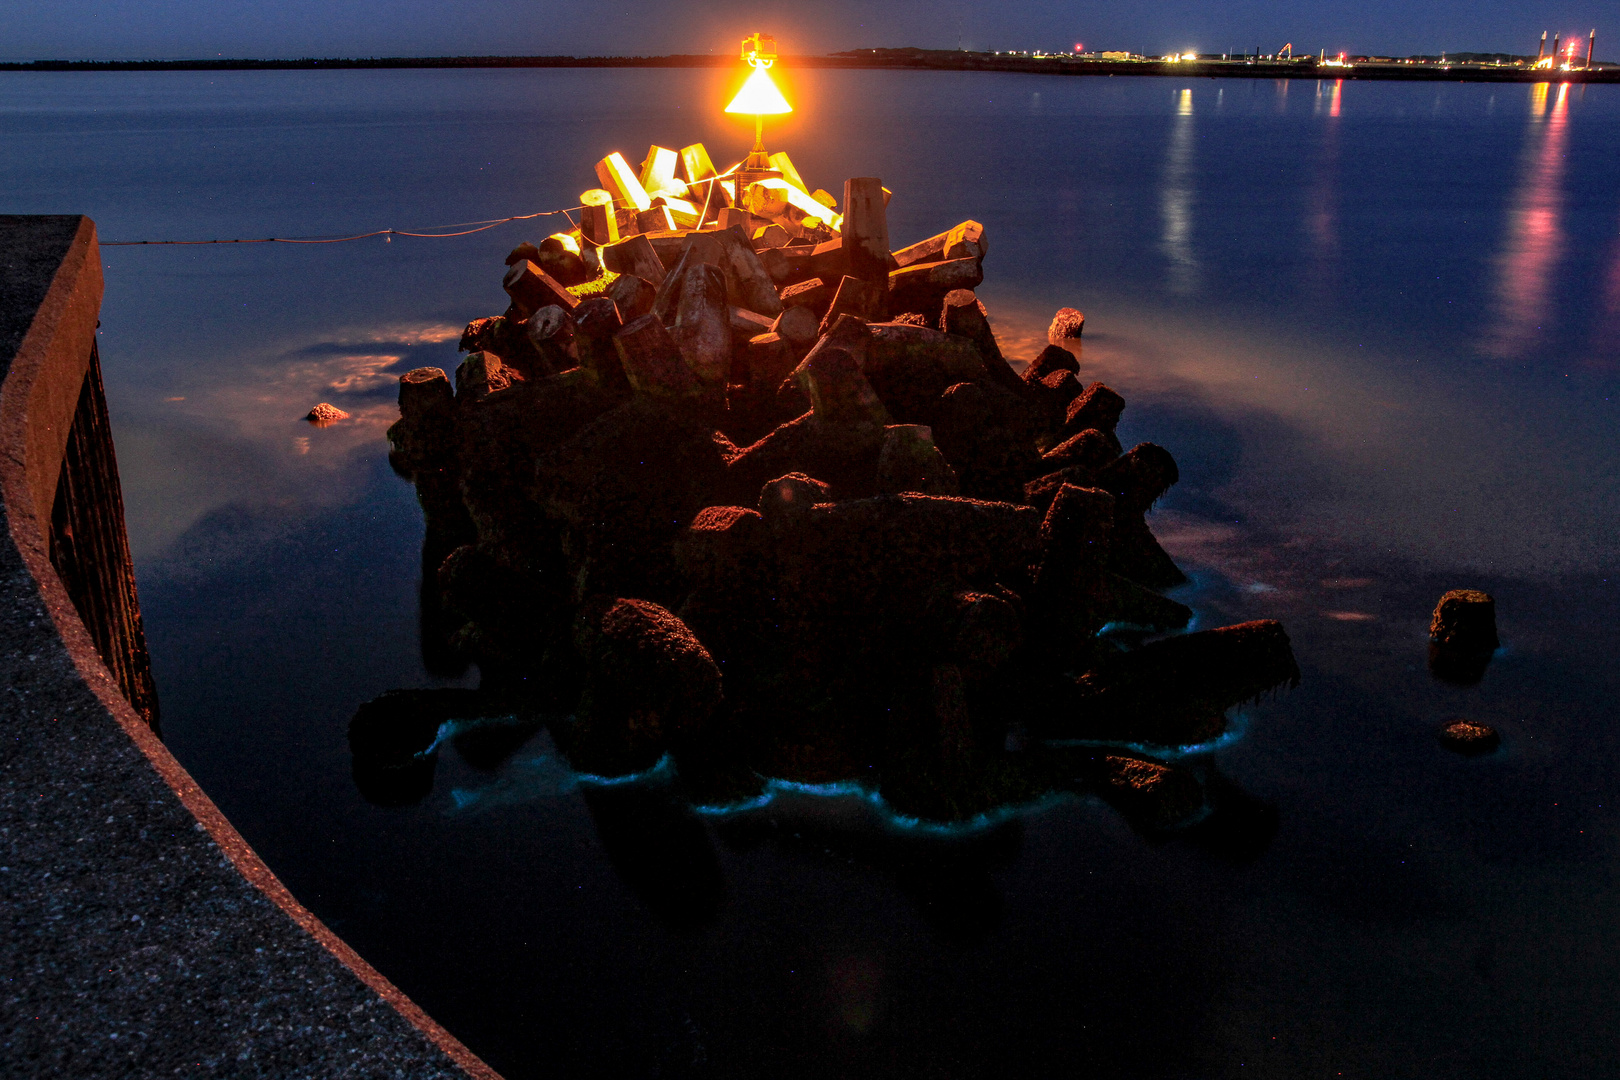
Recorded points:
479,226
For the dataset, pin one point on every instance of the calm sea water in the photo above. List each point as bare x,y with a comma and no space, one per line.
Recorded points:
1378,326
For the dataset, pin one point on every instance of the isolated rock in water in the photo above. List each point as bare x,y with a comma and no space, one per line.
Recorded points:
1151,794
649,683
1463,633
1465,621
1067,325
1469,737
324,414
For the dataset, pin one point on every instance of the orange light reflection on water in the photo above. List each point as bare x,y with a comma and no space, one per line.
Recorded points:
1535,232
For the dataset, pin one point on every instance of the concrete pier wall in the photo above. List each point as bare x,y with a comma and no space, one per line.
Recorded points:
140,935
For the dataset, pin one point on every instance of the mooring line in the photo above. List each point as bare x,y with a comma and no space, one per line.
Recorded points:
481,226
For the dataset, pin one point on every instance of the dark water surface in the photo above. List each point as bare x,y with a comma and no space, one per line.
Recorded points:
1377,324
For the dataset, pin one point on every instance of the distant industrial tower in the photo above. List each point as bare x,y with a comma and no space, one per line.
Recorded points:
1541,49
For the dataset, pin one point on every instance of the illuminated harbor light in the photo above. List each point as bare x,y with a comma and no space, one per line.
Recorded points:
760,98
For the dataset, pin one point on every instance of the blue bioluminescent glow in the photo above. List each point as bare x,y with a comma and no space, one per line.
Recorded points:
1236,728
662,771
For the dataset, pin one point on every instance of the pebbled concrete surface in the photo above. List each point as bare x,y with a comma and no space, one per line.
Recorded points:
139,935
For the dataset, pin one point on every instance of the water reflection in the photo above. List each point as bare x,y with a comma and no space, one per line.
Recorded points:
236,439
1322,200
1312,439
1175,201
1328,99
1535,237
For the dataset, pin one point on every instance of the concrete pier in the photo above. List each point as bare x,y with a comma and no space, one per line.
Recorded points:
139,934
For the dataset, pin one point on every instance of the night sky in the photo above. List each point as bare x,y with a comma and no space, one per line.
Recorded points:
102,29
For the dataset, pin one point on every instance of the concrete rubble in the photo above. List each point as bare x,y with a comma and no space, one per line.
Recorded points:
731,481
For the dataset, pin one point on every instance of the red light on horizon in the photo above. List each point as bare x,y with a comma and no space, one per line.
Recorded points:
1079,47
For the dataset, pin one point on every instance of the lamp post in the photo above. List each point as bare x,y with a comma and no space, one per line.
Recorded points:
759,98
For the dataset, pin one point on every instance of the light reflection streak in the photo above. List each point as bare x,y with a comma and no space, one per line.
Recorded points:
1332,98
1175,201
1322,204
1535,234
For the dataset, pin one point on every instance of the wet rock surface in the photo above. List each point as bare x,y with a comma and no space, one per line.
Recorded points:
1462,636
1469,737
743,507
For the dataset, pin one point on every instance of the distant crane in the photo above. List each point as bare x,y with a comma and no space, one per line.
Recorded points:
1288,48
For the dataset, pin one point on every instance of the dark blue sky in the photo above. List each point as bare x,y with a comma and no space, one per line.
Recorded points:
292,28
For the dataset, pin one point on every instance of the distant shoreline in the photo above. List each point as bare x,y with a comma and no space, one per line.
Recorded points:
1404,70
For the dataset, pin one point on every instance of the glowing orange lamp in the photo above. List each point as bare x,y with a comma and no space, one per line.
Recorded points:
759,98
